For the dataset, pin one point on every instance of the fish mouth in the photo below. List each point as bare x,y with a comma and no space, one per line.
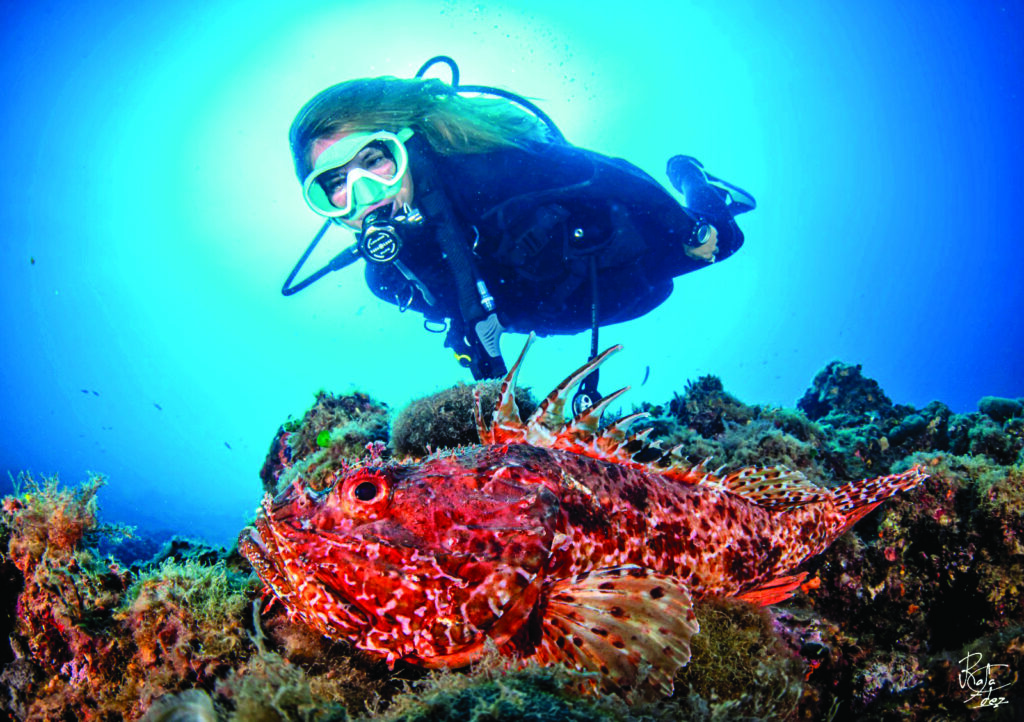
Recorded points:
268,546
269,555
251,543
256,544
281,568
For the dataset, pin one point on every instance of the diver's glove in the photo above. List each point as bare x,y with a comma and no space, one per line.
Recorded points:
705,194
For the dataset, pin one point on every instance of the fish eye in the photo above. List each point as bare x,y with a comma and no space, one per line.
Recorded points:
366,491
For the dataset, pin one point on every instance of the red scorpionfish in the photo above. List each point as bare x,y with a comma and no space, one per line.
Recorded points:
552,541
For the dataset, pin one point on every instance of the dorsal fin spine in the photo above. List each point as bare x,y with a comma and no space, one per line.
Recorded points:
588,420
773,488
549,413
482,429
507,408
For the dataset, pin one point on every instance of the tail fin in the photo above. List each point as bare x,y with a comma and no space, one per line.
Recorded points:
859,498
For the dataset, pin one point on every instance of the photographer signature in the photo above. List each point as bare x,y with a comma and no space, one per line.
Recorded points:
978,680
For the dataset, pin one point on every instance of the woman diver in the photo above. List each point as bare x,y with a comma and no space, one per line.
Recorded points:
476,212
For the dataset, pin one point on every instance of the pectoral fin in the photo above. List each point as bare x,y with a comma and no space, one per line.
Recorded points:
614,622
774,591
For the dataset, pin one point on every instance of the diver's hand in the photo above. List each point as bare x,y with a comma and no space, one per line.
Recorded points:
707,250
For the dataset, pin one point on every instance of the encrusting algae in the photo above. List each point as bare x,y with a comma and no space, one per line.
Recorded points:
896,620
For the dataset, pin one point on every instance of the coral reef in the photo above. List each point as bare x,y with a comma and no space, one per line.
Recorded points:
917,614
446,420
497,691
62,638
342,425
842,396
706,407
186,622
740,667
94,641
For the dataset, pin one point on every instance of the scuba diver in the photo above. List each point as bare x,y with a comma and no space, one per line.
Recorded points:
477,213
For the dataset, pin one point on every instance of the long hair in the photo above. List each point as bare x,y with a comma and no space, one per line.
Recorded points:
448,121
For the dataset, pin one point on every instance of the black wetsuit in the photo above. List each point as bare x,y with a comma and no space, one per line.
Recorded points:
538,223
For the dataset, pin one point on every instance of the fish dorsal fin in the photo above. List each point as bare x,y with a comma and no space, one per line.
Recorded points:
614,622
506,423
588,421
482,429
548,428
551,411
774,487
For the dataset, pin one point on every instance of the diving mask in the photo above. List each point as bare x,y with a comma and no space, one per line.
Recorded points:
365,188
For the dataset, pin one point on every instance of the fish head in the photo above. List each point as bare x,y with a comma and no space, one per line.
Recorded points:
421,562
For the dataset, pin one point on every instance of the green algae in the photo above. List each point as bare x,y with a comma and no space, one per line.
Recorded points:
494,691
446,419
345,425
740,667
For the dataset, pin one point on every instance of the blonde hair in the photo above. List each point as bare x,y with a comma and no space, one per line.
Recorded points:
449,122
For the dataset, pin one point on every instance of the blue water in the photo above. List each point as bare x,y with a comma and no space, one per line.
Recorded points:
149,214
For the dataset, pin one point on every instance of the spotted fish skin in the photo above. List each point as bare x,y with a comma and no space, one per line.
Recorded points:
554,541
